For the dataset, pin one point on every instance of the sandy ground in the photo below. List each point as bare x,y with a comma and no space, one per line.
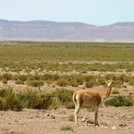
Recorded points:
29,121
112,120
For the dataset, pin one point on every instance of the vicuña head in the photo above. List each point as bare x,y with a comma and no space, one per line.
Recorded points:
90,98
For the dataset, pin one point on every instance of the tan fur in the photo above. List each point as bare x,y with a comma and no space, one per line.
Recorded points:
90,98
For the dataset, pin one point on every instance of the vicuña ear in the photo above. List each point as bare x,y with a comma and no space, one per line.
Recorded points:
113,78
106,79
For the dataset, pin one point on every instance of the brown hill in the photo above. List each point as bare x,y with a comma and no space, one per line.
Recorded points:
48,30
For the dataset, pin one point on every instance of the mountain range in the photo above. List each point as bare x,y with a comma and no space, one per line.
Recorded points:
69,31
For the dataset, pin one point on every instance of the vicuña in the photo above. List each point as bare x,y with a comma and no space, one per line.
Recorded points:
90,98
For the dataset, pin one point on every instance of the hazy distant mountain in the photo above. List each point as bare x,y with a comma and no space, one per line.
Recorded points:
48,30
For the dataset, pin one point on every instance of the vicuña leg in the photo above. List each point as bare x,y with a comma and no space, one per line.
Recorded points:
77,109
96,115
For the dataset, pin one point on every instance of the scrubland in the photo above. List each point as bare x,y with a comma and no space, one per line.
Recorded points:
59,69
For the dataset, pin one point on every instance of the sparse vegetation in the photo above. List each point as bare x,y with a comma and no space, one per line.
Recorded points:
70,65
4,81
27,56
115,92
64,57
65,97
9,101
19,82
71,118
68,127
118,101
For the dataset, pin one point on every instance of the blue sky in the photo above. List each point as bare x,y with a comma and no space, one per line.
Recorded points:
96,12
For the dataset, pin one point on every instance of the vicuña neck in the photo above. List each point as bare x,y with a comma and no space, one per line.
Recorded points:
108,91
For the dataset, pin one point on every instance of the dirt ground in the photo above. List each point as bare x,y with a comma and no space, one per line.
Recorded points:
29,121
112,120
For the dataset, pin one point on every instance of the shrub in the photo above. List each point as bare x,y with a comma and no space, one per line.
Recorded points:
37,77
49,82
29,82
34,100
2,92
101,82
22,77
0,77
41,82
68,127
124,78
9,101
62,82
19,82
15,77
35,84
73,83
110,76
46,77
4,81
117,83
118,101
53,86
7,76
131,82
71,118
115,92
84,72
87,78
79,80
65,97
55,77
89,84
30,77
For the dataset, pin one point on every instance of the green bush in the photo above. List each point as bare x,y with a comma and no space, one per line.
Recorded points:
115,92
4,81
68,127
32,98
30,77
7,76
10,101
101,81
15,77
123,78
118,101
2,92
19,82
46,77
89,84
88,78
29,82
22,77
79,80
71,118
0,77
35,84
110,76
65,97
49,82
117,83
41,82
55,77
73,83
62,82
131,82
37,77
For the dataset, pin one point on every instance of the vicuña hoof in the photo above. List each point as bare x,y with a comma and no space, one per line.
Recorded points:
97,125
